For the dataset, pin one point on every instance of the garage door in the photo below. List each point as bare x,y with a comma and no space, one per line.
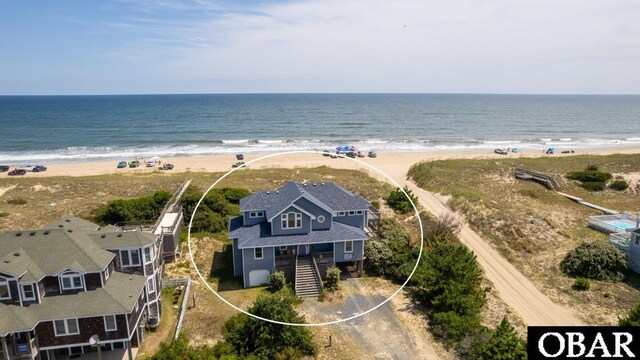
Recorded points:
258,277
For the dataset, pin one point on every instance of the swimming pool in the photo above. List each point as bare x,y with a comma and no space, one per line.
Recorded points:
622,224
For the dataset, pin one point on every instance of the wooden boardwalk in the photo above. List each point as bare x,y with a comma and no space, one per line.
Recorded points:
588,204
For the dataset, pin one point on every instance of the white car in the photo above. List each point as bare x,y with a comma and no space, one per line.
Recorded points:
501,151
151,163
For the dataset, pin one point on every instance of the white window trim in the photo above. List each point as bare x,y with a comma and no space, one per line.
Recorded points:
352,213
283,248
321,219
24,297
144,254
6,283
261,253
284,219
341,213
115,323
66,327
152,280
256,214
106,273
359,212
70,277
345,247
129,257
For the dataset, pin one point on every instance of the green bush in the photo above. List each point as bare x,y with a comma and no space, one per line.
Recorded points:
398,201
632,318
332,282
4,214
449,279
592,167
376,204
147,208
595,260
277,281
215,209
452,328
593,185
504,343
619,185
590,176
233,195
581,284
391,256
17,201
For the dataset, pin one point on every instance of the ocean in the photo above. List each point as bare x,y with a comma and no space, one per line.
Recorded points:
49,129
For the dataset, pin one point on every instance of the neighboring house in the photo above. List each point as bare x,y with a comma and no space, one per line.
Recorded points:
72,280
624,233
301,229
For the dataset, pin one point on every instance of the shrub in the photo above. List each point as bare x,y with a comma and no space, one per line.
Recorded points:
398,201
376,204
4,214
147,208
619,185
277,280
332,282
595,260
391,256
632,318
452,328
379,257
449,279
504,343
589,176
233,195
593,185
592,167
442,229
215,209
581,284
17,201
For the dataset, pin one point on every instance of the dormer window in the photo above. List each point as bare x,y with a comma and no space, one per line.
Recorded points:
5,293
71,281
129,258
291,220
28,294
256,214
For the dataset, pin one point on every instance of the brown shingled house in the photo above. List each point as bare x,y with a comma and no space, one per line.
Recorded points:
63,284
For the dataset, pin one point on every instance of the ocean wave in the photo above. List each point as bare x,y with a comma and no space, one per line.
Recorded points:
215,146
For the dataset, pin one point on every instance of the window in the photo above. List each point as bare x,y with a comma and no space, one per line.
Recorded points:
257,253
348,246
151,285
351,213
110,323
283,248
106,273
637,241
130,258
71,282
359,212
291,220
256,214
148,254
5,293
340,213
320,219
66,327
27,292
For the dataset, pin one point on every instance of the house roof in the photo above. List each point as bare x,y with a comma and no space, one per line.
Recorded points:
113,240
74,223
259,235
327,195
118,296
30,253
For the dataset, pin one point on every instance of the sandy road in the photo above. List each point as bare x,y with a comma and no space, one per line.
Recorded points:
514,289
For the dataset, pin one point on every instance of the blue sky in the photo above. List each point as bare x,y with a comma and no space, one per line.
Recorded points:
202,46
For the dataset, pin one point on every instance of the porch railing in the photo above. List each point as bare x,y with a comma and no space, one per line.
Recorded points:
315,266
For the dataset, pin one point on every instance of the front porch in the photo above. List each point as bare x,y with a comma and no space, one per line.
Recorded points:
23,345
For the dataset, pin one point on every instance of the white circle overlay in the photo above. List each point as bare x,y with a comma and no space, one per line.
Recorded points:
204,281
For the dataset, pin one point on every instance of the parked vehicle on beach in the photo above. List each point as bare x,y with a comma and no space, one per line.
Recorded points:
17,172
134,164
39,168
239,156
151,163
4,168
326,153
351,154
361,154
122,164
372,154
238,164
166,167
334,155
501,151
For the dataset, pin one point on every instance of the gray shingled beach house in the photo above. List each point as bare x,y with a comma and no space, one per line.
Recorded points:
301,229
63,284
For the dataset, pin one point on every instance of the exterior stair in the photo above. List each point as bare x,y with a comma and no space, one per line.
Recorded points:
308,284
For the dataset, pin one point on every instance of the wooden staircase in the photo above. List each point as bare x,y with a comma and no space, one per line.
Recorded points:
307,282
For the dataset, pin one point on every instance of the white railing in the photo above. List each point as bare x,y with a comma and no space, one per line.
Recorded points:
620,240
185,298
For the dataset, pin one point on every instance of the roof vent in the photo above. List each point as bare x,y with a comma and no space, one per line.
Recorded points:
314,184
16,254
120,235
46,232
322,184
19,234
32,233
70,230
68,220
277,191
60,225
268,192
103,236
305,184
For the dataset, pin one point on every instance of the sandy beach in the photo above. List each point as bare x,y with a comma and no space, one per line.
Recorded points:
395,164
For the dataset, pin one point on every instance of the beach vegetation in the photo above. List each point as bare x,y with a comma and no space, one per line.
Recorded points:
332,282
400,202
591,179
632,318
277,281
619,185
595,260
4,214
146,208
17,201
503,343
581,284
215,210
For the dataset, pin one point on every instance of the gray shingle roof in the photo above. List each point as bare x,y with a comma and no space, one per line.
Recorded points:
260,235
36,253
113,240
118,296
327,195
